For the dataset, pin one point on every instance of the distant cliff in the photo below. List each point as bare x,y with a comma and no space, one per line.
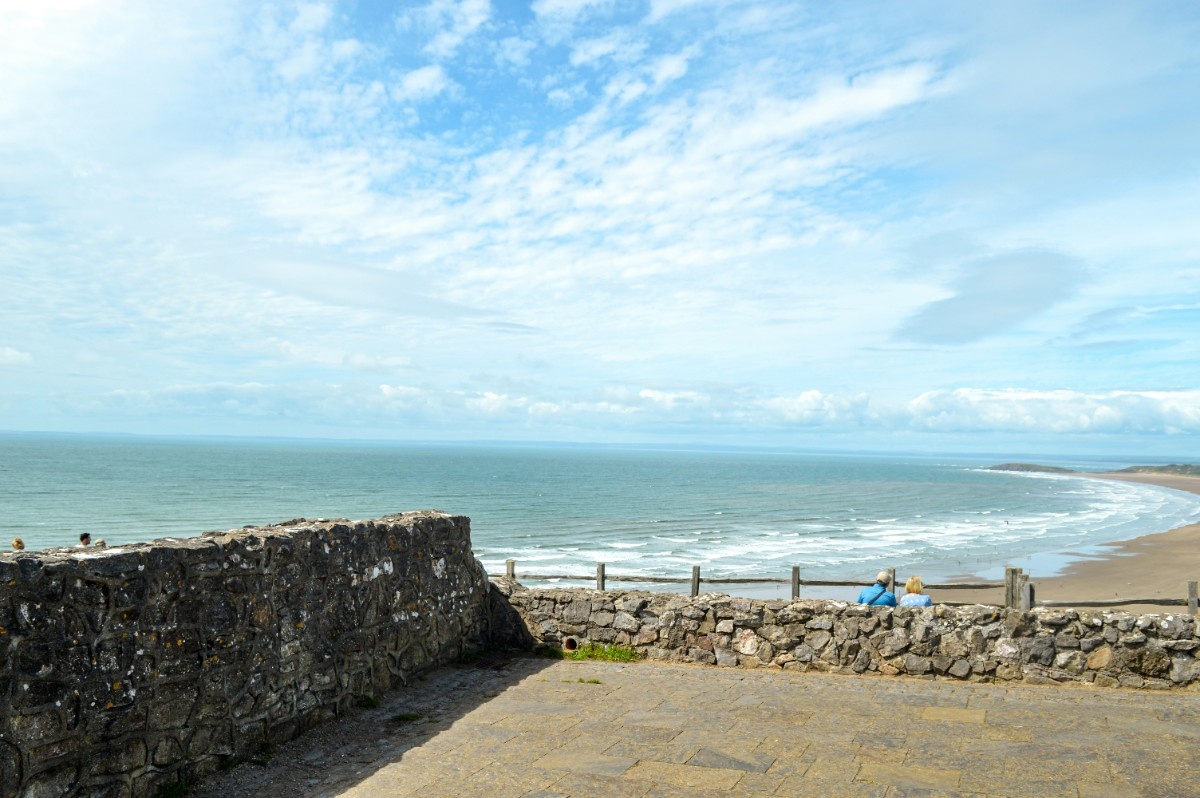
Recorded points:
1181,470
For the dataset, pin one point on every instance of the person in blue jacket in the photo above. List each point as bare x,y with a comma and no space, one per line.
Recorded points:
878,595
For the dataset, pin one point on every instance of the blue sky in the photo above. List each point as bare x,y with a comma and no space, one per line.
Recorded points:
852,225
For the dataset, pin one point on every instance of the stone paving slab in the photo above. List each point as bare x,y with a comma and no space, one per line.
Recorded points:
563,729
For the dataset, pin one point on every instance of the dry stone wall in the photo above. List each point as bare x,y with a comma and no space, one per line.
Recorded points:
975,643
127,670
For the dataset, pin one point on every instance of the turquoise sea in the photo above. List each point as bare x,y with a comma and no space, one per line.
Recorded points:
562,509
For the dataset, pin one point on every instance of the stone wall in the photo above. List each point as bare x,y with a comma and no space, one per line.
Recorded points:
975,643
126,670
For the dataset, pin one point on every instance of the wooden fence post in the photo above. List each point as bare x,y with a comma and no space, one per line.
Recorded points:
599,576
796,582
1012,587
1026,589
1191,598
510,569
695,580
892,576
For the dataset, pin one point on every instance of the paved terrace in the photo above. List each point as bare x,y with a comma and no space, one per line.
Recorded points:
544,728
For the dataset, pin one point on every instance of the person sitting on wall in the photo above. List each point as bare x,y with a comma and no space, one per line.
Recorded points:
85,538
913,595
878,595
18,544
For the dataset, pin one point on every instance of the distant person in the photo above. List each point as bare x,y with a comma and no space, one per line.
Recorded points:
100,544
913,595
85,538
18,544
878,595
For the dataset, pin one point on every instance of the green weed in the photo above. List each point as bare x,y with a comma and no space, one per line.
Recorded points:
607,653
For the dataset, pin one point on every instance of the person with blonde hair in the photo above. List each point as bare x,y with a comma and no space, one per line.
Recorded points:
913,595
18,544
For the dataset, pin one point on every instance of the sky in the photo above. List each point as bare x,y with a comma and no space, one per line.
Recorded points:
859,225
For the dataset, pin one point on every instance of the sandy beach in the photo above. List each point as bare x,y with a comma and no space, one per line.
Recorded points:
1152,566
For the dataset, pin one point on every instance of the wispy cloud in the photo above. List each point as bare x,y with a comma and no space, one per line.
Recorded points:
589,218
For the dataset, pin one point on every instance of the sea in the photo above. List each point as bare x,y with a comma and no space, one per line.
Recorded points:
561,509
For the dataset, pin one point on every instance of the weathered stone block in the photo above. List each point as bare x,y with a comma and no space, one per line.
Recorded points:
818,640
893,643
726,658
1100,659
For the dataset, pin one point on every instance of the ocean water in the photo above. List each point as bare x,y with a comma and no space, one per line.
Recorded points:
560,510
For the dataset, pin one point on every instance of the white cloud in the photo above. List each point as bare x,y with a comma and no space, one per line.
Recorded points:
494,403
671,67
515,51
566,9
671,400
422,84
447,23
13,357
814,407
1061,411
618,46
337,359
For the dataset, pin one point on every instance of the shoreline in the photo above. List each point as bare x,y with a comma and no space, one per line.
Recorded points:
1157,565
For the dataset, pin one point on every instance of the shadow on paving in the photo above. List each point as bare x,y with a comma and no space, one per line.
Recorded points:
333,757
542,728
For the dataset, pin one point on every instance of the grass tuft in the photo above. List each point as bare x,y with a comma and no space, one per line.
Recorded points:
607,653
405,717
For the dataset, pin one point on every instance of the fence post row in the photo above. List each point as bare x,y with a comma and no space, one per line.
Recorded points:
1019,592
